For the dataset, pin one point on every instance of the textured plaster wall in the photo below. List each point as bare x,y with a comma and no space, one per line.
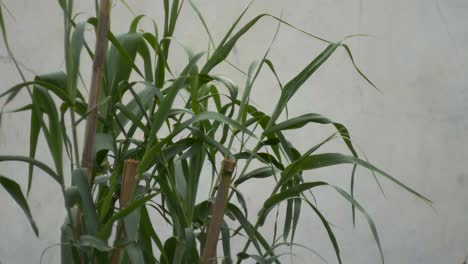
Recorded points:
416,130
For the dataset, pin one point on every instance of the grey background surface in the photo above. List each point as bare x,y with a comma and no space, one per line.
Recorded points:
416,130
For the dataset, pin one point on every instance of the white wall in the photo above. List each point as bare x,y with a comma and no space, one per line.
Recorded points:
416,129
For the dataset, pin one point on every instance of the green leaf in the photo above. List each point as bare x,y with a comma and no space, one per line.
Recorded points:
148,158
169,249
170,19
262,157
288,218
216,98
226,242
130,116
132,221
262,172
34,130
288,244
66,240
166,105
366,215
350,55
190,250
58,91
76,45
15,191
44,104
147,227
211,142
107,227
120,58
103,142
202,20
331,159
292,192
68,250
241,200
135,254
251,76
296,215
294,84
36,163
228,83
93,242
10,54
225,47
259,259
180,182
300,121
134,24
145,97
71,196
91,220
330,233
251,231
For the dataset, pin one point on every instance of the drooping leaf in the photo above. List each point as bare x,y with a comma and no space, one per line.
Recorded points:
15,192
294,84
289,193
59,92
36,163
302,120
331,159
366,215
34,130
330,233
262,172
44,104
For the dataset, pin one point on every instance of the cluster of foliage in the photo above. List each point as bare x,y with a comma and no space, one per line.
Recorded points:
174,143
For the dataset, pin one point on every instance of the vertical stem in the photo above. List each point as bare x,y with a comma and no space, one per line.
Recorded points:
209,252
98,63
93,109
129,181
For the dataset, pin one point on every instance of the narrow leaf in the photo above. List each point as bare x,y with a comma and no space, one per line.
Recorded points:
15,191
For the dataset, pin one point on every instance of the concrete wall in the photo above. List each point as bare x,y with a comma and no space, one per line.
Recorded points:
416,130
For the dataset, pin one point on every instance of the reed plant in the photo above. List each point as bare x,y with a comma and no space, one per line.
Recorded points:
144,152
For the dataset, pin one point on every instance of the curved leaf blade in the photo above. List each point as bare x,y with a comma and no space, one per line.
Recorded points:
36,163
331,159
14,190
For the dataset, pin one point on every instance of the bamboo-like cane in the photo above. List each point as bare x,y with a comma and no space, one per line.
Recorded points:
93,99
129,182
209,252
98,65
